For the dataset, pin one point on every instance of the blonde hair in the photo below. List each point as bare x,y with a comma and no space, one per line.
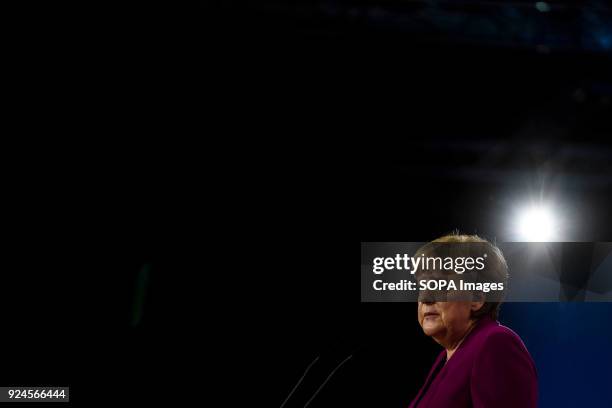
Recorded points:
496,270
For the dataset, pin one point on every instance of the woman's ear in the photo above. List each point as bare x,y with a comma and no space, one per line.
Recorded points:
478,302
476,306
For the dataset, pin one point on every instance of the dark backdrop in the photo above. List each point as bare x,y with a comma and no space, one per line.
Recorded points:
223,241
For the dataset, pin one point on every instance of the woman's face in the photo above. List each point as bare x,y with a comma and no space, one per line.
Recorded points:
444,320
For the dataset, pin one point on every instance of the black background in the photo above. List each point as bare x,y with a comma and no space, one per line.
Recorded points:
245,158
357,134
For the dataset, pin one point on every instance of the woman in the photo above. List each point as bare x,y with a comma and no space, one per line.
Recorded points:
483,364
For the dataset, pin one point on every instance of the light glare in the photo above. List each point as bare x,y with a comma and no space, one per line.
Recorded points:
537,224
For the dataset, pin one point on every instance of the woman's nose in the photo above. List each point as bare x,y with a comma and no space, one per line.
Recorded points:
432,296
427,297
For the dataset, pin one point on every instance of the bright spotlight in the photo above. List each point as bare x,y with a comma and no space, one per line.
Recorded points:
537,224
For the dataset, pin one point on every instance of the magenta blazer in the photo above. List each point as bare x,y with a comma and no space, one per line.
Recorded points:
491,368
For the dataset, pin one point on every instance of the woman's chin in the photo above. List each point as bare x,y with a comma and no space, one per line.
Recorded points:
430,328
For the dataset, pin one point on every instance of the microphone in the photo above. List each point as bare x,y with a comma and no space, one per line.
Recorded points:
321,386
299,381
327,379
